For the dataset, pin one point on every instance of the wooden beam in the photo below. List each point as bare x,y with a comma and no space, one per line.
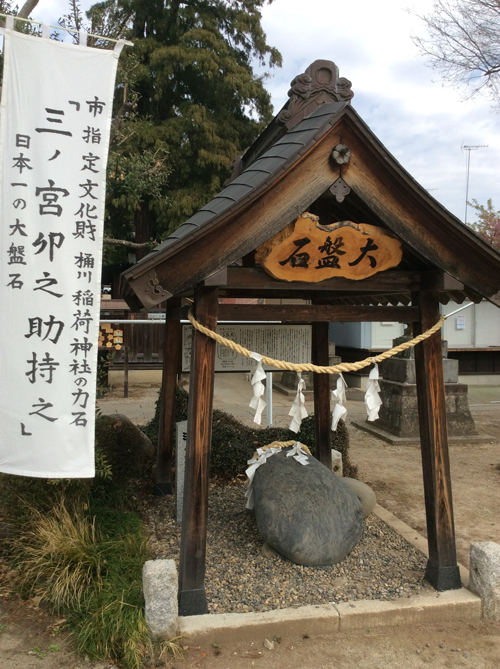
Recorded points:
442,571
172,348
240,228
322,423
217,279
255,278
308,313
414,216
192,597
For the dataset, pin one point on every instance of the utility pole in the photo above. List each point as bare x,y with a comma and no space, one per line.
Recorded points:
469,148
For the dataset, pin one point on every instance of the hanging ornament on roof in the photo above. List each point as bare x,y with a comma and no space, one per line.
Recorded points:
298,411
339,396
372,397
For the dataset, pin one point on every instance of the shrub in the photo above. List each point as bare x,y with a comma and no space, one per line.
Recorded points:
233,443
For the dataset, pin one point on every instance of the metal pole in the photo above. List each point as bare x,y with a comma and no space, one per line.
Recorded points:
467,172
125,372
469,149
269,398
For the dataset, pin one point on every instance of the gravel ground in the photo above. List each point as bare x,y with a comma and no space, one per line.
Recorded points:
239,578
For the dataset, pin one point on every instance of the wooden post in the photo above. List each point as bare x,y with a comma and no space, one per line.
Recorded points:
442,571
192,597
321,384
171,358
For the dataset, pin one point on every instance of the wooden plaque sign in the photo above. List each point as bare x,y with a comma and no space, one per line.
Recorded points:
306,251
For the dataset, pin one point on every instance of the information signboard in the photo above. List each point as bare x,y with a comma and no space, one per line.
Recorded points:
282,342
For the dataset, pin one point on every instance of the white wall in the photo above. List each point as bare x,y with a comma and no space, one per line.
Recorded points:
383,334
481,326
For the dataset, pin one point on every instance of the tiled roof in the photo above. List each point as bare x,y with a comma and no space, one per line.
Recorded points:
264,169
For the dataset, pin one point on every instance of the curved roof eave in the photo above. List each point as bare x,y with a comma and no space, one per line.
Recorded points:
377,177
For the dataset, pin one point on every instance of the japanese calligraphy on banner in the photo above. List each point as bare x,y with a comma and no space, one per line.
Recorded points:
54,139
310,252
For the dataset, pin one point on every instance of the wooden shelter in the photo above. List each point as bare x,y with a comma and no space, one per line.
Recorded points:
318,156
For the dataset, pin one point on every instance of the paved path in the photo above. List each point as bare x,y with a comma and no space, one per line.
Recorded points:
232,393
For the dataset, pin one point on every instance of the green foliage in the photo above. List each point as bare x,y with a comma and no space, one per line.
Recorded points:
487,225
233,443
102,373
85,562
112,485
124,463
187,102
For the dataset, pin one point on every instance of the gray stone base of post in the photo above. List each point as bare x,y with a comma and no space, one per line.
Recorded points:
485,576
443,578
162,489
159,580
193,602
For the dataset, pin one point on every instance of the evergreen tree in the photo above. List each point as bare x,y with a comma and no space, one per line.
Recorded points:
187,103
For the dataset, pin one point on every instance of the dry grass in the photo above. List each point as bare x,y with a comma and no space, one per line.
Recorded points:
60,556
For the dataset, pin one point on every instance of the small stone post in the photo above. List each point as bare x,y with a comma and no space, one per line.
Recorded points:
180,466
159,580
485,576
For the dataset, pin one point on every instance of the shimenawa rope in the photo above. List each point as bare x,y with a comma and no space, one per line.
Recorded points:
309,367
282,444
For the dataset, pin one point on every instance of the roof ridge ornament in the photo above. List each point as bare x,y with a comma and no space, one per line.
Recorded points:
321,79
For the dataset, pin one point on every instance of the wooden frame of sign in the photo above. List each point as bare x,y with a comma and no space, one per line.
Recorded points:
316,156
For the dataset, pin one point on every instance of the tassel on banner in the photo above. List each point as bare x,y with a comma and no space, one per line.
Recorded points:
257,402
298,411
372,397
339,410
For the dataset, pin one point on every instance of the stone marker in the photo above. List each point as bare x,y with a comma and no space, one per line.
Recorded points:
337,466
159,581
485,576
180,466
398,391
364,493
306,512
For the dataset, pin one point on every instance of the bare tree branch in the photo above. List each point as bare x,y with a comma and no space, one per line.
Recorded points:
463,44
27,8
131,245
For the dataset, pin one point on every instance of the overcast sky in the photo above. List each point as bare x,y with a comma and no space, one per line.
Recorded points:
421,121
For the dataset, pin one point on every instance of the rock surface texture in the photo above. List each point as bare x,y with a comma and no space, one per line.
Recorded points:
364,493
306,512
485,576
159,580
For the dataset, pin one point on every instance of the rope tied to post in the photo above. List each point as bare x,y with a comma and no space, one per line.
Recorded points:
309,367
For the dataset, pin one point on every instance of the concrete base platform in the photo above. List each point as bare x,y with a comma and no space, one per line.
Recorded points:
436,607
431,607
415,441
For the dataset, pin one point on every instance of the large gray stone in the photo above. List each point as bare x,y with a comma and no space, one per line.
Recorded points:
485,576
364,493
306,512
159,581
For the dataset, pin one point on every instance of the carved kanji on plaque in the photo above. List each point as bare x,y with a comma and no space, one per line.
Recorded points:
306,251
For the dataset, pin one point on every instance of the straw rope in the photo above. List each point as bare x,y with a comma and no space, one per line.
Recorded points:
309,367
283,444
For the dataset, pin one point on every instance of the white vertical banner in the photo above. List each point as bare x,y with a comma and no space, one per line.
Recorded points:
54,137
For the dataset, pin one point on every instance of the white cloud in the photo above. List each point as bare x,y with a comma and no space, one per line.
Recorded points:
421,121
